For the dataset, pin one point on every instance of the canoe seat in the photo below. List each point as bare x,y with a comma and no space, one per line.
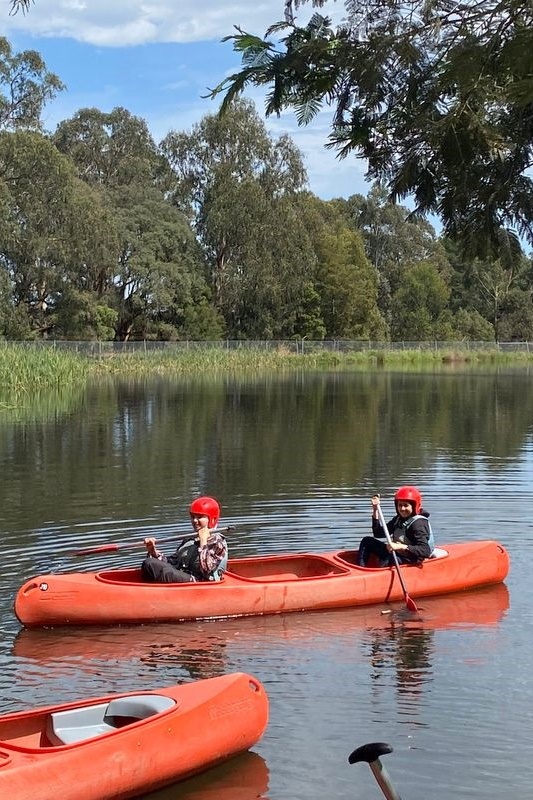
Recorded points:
438,552
79,724
138,706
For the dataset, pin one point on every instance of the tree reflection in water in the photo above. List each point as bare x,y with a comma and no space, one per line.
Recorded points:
200,662
405,647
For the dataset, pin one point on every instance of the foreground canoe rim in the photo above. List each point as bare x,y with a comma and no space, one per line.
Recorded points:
254,586
124,745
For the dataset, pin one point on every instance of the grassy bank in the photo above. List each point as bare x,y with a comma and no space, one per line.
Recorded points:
25,369
187,362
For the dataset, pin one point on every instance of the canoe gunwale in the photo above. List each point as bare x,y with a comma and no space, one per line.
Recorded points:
340,563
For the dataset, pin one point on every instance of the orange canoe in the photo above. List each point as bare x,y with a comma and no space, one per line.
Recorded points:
128,744
253,586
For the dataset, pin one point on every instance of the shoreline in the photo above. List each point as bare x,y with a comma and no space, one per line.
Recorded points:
26,368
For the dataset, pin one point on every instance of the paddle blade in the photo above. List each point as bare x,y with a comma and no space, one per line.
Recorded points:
410,603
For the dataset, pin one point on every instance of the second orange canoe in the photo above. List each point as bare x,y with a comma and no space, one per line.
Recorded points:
122,745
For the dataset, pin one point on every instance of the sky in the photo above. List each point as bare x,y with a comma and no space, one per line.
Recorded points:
157,58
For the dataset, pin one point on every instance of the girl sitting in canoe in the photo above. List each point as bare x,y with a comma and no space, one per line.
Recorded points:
409,530
202,556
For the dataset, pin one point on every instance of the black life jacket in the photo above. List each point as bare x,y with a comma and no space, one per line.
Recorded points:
402,525
187,557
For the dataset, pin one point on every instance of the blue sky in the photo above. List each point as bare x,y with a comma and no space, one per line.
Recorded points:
157,58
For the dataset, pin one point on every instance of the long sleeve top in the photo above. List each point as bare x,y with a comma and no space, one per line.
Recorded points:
414,533
201,561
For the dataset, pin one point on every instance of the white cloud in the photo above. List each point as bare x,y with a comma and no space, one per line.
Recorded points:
124,23
131,22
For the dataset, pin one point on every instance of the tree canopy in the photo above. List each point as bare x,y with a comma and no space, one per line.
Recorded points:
213,233
241,189
25,87
437,96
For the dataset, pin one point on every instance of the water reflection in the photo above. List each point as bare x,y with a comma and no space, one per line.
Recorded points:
204,649
402,652
243,778
144,445
206,660
294,459
408,652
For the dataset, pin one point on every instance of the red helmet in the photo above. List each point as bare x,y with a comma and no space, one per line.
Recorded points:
411,494
207,506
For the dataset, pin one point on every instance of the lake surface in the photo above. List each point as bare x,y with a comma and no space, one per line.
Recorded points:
293,460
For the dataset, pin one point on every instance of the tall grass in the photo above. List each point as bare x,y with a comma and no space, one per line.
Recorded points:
419,357
188,362
217,360
25,369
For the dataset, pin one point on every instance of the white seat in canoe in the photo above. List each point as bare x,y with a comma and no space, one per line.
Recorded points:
438,552
140,706
79,724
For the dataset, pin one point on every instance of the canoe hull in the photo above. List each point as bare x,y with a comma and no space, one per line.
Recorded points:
253,586
210,721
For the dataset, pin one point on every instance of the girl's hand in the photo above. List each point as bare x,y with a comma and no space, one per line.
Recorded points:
396,546
149,543
204,532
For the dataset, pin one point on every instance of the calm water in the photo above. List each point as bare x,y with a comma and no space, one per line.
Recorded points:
293,461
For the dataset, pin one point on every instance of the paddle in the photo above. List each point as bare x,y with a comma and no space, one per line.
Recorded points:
370,753
111,548
409,602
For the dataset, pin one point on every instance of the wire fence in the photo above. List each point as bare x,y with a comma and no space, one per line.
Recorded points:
297,346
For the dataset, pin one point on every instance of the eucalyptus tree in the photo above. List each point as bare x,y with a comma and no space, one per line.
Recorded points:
437,96
241,189
345,280
348,287
81,315
491,298
516,320
392,234
393,239
420,310
502,292
49,223
471,326
25,87
158,273
110,148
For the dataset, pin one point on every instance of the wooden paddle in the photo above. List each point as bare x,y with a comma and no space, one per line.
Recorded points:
112,548
370,753
409,602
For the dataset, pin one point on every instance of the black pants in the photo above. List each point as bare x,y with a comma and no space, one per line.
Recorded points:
156,571
370,546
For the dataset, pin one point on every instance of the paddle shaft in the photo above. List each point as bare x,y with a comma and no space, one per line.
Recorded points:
409,602
112,548
383,780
